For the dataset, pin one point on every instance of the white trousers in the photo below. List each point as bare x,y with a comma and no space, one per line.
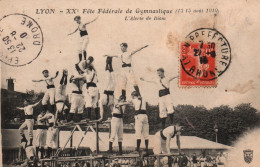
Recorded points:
141,126
165,106
91,97
77,103
28,123
49,95
160,146
116,129
52,137
40,137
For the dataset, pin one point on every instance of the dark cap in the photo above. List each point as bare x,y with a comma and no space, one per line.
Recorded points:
76,18
160,69
124,44
45,71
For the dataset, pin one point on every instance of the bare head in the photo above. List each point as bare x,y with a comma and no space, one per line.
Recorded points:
124,47
160,72
45,73
77,19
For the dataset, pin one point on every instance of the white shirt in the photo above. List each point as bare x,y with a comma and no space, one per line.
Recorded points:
48,81
28,110
165,81
77,85
116,109
137,103
169,131
126,57
91,76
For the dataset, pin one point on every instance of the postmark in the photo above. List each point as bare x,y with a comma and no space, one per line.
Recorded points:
204,56
21,40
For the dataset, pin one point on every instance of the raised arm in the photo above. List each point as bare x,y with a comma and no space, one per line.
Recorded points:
57,73
34,105
139,49
73,32
150,81
172,78
91,21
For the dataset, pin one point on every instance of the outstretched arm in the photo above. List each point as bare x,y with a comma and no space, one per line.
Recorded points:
150,81
111,56
172,78
38,80
20,108
73,32
91,21
57,73
139,49
34,105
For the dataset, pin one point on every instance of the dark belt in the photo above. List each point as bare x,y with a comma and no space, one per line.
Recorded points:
117,115
83,33
140,112
51,124
60,101
91,84
28,116
50,86
126,65
109,92
163,137
77,92
164,92
41,127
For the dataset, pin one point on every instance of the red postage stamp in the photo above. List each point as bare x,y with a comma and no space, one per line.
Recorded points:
204,56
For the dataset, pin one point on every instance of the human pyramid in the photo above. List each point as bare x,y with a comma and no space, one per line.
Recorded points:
83,102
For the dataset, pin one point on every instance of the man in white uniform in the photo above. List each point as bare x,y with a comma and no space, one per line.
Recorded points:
117,124
127,73
163,137
29,121
41,134
60,98
91,95
84,39
50,92
77,99
52,133
165,102
141,121
107,98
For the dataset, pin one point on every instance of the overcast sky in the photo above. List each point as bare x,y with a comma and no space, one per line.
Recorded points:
60,51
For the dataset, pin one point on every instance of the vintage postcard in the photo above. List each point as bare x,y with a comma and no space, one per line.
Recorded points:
130,83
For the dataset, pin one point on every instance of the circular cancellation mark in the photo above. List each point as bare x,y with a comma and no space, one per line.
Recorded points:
21,40
205,54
